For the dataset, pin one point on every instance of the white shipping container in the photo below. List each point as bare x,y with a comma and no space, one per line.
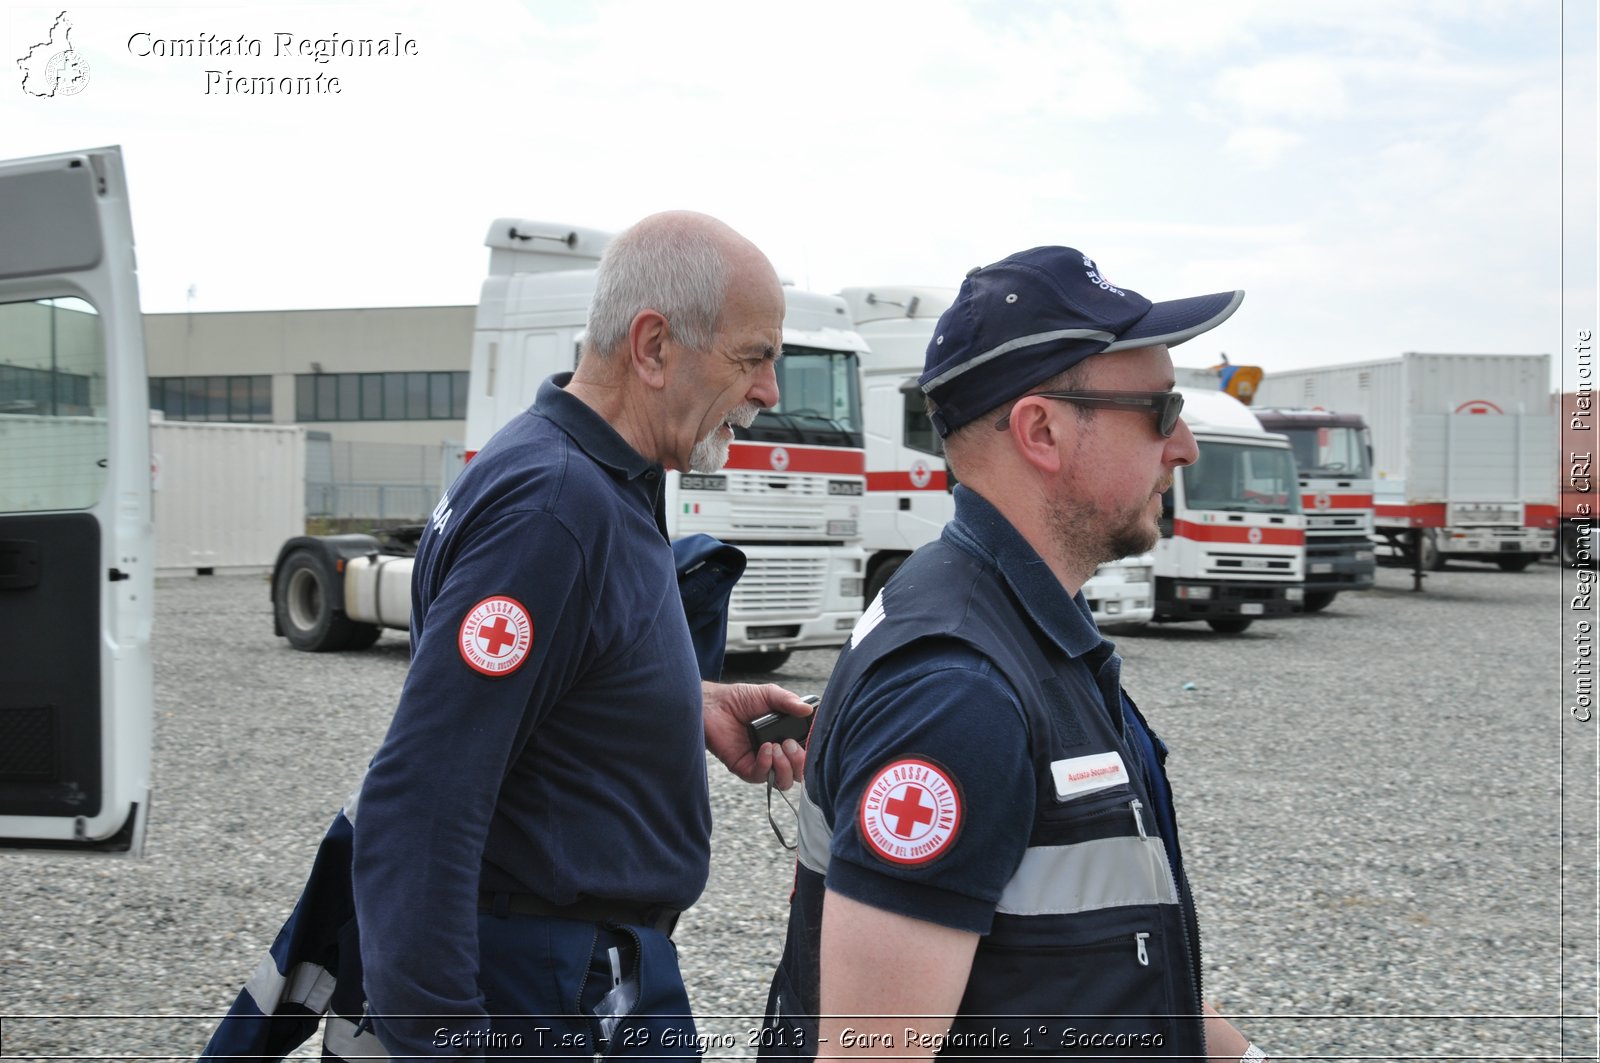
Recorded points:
227,496
1435,433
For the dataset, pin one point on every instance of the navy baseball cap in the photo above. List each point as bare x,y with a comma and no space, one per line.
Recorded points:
1038,313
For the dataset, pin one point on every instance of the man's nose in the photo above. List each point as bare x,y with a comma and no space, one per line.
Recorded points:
1181,447
764,391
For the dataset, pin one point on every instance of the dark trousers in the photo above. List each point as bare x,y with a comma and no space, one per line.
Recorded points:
550,984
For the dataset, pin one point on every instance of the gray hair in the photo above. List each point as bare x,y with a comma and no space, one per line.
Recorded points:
677,270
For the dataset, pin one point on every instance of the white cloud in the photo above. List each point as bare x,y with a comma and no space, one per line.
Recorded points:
1304,86
1348,162
1261,146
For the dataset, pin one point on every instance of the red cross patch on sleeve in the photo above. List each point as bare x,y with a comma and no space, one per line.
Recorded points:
496,636
910,811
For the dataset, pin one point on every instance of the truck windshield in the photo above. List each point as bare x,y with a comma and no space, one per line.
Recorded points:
1340,452
1240,478
819,403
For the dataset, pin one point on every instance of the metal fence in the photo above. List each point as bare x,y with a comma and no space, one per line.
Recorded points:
377,481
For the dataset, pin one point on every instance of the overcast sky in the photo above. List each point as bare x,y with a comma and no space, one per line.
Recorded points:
1378,176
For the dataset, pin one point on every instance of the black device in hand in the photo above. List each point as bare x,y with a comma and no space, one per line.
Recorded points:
776,726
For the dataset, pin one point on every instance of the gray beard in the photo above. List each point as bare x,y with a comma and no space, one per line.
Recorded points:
711,453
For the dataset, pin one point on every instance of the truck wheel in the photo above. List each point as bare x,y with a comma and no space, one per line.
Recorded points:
1230,625
303,600
1569,546
1317,601
880,576
755,662
1516,562
1433,559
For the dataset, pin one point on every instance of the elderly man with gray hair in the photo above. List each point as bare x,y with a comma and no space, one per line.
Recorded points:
538,813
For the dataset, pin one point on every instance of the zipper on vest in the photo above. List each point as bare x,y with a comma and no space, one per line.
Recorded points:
1143,953
1138,820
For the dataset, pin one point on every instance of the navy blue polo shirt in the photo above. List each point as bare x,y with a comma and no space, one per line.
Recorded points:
549,736
946,702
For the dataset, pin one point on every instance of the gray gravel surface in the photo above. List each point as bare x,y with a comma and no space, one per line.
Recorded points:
1371,799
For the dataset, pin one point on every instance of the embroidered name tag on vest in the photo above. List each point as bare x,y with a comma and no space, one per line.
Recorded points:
1081,775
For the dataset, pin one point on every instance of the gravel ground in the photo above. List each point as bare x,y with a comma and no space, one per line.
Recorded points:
1371,797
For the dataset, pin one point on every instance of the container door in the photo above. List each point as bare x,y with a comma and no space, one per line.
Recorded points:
76,549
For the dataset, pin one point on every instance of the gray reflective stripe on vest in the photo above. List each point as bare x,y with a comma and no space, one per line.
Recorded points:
339,1037
1106,873
307,984
1051,879
816,840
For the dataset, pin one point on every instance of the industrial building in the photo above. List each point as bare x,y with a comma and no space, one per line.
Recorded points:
394,375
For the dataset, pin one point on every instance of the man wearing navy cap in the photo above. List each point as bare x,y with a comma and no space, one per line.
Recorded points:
988,860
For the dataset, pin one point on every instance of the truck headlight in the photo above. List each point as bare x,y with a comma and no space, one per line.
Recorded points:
852,587
1294,594
842,528
1194,594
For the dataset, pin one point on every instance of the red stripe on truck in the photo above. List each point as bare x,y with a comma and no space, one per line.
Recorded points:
1251,534
900,480
771,457
1421,515
1309,502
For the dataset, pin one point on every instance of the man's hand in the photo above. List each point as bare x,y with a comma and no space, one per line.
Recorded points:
728,707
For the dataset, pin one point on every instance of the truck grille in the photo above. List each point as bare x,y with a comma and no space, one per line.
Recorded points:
1261,565
1505,513
1353,522
780,586
761,483
768,506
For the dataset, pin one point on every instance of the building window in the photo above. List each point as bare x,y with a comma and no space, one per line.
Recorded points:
372,396
213,398
24,389
349,397
380,396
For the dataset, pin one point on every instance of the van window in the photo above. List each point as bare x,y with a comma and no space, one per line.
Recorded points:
53,436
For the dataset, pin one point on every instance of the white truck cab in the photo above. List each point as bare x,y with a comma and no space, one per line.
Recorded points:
1232,547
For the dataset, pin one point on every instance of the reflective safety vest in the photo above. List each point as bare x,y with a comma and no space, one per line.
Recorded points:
1094,948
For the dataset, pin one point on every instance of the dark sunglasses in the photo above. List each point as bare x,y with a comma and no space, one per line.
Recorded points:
1166,405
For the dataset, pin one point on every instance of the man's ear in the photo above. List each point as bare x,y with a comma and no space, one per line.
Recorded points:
647,354
1039,437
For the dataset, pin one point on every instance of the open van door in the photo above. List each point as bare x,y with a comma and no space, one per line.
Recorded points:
76,544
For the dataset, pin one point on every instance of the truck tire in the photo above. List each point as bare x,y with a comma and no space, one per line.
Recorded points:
362,636
880,576
1433,559
303,598
755,663
1515,562
1317,601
